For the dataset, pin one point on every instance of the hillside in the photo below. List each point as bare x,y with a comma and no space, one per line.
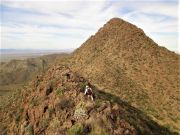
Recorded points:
55,104
122,60
16,73
135,82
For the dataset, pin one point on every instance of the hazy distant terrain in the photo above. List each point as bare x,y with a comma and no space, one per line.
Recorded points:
8,54
17,67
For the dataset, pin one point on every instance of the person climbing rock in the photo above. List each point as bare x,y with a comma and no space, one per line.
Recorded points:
88,92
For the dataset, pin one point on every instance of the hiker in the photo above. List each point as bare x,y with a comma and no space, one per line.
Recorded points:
88,92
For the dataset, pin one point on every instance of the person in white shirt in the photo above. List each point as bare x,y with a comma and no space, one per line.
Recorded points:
88,92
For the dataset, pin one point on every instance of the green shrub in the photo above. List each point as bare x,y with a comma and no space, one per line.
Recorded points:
77,129
82,85
59,92
98,103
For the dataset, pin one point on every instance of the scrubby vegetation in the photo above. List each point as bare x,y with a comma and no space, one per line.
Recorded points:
76,129
122,60
134,91
16,73
73,113
59,92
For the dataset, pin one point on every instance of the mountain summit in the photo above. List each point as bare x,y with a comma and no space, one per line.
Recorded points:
122,60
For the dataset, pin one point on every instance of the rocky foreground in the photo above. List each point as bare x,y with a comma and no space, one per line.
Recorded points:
54,104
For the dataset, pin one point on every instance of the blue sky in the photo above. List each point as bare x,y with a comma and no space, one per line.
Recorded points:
66,24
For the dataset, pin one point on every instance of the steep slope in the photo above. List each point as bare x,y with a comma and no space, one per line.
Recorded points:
54,103
122,60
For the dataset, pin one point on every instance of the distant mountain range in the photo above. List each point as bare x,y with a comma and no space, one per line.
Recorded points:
19,54
36,50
